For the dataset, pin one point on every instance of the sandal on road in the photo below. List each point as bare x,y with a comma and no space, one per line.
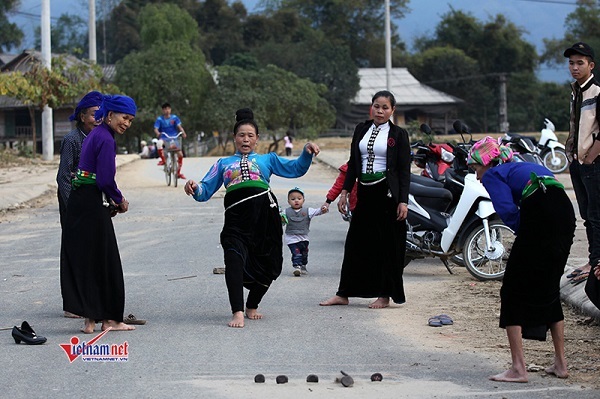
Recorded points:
434,322
131,319
445,319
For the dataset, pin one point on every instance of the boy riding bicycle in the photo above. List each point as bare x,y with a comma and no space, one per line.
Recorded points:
166,128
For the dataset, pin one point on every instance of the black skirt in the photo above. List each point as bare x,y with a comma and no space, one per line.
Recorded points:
530,293
253,230
375,246
91,276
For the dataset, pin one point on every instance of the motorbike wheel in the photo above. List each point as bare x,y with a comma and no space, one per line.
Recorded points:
481,263
557,164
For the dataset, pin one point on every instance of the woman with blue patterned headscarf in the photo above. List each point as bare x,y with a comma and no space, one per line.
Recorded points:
529,200
91,273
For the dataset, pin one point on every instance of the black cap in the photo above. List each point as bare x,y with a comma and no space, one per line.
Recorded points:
580,48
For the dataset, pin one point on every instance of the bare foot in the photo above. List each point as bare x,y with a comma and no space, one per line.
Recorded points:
557,371
237,321
380,303
89,326
253,314
116,326
510,375
335,300
72,315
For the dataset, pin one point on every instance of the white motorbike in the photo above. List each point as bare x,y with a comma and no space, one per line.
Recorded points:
552,151
471,230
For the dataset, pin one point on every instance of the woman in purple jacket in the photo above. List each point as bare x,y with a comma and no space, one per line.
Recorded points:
91,274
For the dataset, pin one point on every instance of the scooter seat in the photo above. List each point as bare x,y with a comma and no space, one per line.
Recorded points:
425,181
435,198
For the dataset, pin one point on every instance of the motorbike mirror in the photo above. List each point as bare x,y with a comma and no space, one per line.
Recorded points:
425,128
461,128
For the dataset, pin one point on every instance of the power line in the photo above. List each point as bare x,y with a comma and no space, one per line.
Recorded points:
30,15
551,2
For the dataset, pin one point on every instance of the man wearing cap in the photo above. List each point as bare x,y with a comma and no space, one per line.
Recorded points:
583,148
166,127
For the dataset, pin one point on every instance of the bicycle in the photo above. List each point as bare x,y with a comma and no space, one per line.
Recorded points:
172,146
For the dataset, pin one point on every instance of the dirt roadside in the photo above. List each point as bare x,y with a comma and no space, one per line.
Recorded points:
472,304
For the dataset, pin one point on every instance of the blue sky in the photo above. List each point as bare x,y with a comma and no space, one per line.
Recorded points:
539,18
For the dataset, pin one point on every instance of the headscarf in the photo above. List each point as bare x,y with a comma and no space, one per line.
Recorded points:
92,99
116,103
487,151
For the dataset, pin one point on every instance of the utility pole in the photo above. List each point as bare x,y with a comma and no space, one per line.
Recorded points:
503,110
388,47
92,30
47,133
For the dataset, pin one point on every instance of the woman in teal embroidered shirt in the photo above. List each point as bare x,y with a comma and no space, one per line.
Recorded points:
252,233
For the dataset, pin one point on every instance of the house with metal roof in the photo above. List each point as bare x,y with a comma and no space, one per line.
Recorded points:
415,101
15,116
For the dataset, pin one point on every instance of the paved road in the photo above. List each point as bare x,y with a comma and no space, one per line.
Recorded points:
169,246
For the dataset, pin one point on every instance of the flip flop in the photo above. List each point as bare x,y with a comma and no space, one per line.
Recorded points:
434,322
580,278
445,319
574,273
131,319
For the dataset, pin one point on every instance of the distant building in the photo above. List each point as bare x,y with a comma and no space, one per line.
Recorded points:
15,118
414,100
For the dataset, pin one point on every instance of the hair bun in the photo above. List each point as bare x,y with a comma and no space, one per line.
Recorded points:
244,114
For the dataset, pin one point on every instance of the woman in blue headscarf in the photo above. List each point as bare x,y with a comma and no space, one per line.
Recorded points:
91,273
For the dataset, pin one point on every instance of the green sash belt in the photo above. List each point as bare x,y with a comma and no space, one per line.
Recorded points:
371,177
82,178
542,182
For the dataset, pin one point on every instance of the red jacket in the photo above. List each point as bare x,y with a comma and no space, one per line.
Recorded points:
336,189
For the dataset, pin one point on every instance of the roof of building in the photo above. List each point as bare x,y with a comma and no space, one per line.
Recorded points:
22,62
406,88
6,58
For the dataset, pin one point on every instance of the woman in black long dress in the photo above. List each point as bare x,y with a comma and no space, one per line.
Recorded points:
534,204
91,273
375,245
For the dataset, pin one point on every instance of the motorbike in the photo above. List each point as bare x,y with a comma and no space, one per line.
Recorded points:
471,230
553,153
433,158
524,148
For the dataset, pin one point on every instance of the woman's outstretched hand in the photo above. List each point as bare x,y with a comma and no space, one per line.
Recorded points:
190,187
312,148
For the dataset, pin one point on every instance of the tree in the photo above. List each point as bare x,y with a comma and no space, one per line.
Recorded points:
582,25
68,35
10,34
221,28
39,86
450,70
492,48
280,101
355,23
169,67
318,59
167,23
